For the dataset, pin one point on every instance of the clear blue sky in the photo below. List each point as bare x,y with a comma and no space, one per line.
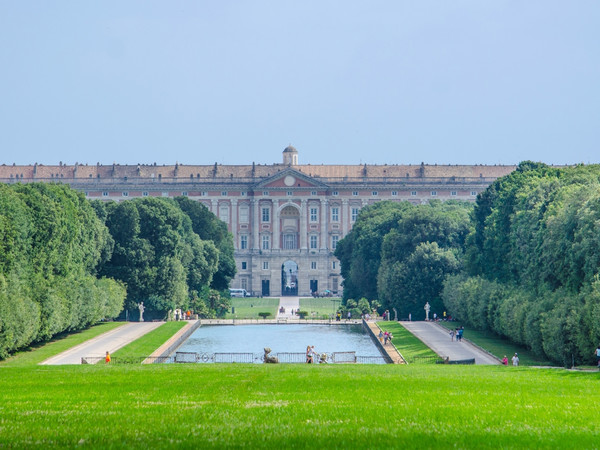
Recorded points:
345,82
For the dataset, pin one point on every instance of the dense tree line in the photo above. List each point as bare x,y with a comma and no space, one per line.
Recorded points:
400,254
169,253
532,261
51,245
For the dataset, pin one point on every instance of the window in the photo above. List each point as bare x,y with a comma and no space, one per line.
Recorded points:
334,240
243,193
453,193
474,193
125,194
244,283
290,193
266,241
203,194
244,265
394,193
314,214
335,193
265,192
313,193
433,193
144,194
266,214
224,194
375,193
333,265
313,265
244,214
243,242
105,194
335,214
355,214
313,242
355,193
224,213
184,193
413,193
265,265
290,241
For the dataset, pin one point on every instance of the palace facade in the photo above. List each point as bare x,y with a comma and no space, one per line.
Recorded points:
286,218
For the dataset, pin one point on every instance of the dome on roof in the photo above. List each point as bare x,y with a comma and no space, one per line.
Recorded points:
290,156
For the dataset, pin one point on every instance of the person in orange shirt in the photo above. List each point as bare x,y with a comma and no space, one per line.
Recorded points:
107,358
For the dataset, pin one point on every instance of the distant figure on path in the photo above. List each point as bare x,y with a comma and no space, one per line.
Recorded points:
451,335
598,356
141,308
505,361
515,360
107,358
309,357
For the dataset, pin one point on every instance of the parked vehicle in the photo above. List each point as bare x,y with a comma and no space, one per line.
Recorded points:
239,293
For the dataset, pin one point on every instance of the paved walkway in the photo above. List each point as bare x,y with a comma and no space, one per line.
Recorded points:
110,341
437,338
288,303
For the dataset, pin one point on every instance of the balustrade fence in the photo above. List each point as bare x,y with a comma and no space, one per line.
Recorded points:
284,357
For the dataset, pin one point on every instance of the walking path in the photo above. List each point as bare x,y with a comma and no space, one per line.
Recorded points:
110,341
438,339
389,349
288,303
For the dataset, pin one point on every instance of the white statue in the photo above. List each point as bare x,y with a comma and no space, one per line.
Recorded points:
141,308
427,309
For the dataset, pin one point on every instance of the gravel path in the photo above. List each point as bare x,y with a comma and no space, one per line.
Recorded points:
438,339
110,341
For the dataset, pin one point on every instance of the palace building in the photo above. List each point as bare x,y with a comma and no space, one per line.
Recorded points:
286,218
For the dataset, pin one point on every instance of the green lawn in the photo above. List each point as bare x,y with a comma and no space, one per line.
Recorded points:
248,308
148,343
320,307
41,352
498,346
297,406
411,348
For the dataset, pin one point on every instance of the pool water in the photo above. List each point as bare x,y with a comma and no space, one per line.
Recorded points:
280,338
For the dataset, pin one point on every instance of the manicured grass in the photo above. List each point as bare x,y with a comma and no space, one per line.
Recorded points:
303,406
41,352
248,308
411,348
148,343
320,307
498,346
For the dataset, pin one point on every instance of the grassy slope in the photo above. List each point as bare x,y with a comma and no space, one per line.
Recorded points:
148,343
409,346
320,306
39,353
359,406
499,346
243,310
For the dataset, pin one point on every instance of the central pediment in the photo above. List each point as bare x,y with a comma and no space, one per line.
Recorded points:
289,179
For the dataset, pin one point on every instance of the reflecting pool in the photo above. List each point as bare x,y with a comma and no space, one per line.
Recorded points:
280,338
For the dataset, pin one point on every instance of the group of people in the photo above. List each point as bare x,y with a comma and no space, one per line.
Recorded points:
514,359
384,337
457,333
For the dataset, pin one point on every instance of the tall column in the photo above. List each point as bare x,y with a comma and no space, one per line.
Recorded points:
303,231
215,206
345,217
234,225
324,220
276,225
255,223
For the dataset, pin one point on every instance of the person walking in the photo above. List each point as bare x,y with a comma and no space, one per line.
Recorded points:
505,361
598,356
515,360
107,358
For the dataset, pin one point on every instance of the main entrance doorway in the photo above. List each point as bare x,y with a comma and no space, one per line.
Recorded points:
266,290
289,278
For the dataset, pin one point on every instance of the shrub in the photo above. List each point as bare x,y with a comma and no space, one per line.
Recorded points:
264,315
